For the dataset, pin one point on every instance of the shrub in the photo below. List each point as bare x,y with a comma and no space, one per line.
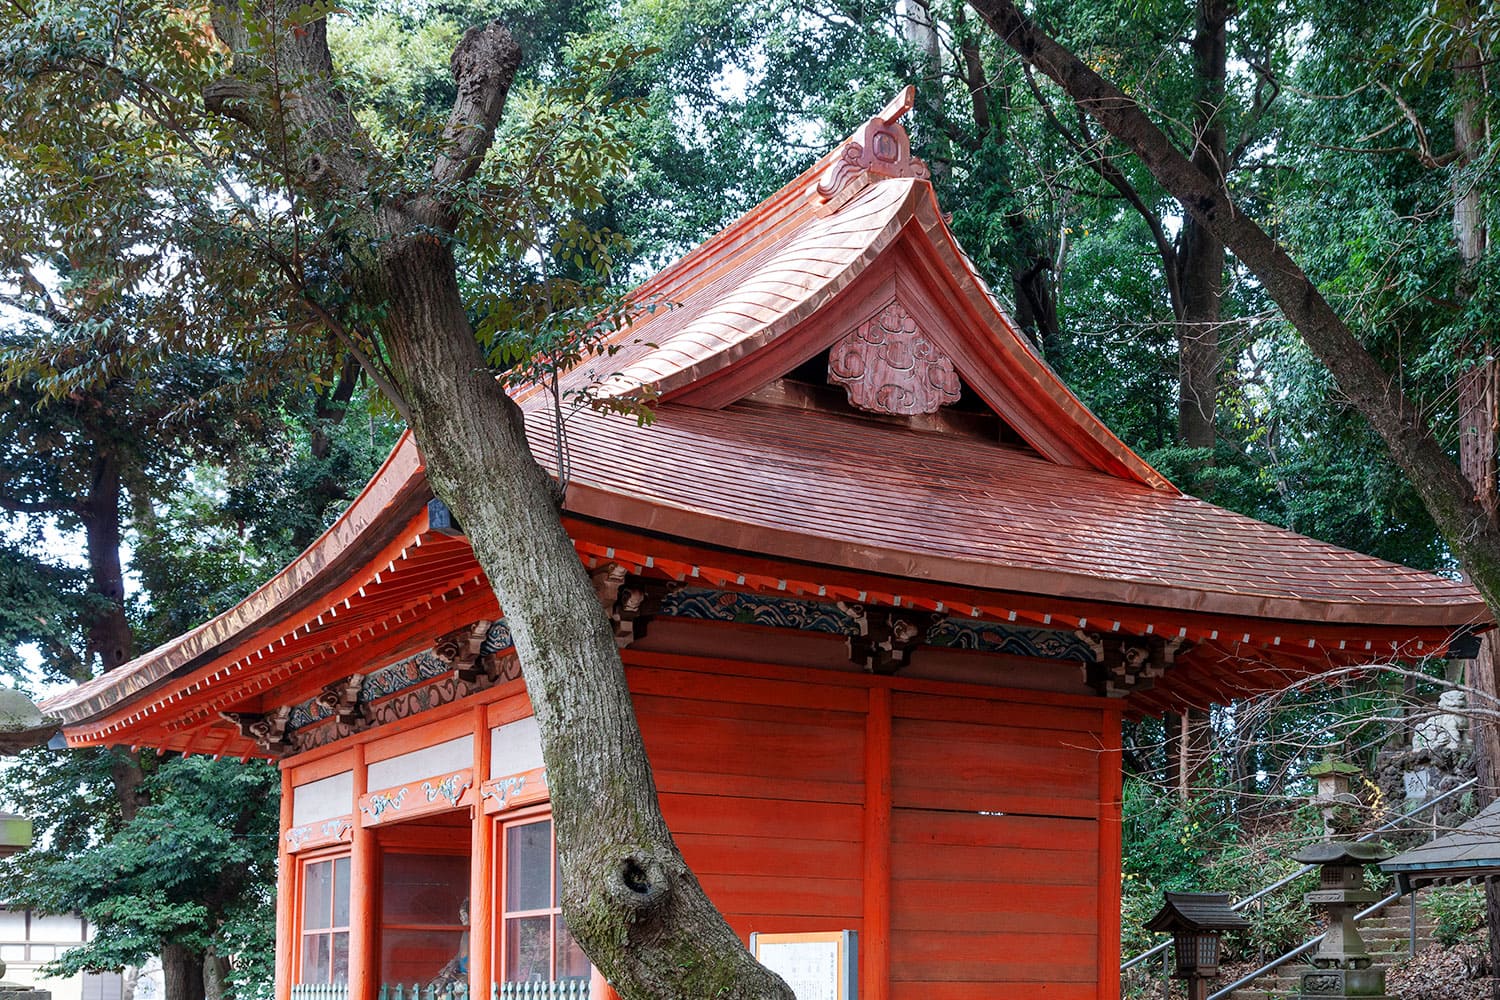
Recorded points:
1457,910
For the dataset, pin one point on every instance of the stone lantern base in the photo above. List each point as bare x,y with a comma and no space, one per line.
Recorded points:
15,991
1366,983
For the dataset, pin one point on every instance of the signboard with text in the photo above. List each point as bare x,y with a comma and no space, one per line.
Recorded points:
820,965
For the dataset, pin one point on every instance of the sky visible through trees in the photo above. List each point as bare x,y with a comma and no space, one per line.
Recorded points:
193,372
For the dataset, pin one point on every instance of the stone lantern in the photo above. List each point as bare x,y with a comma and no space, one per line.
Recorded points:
1196,921
22,724
15,835
1342,965
1339,806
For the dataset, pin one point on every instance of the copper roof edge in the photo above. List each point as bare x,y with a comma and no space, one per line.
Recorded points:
398,488
705,528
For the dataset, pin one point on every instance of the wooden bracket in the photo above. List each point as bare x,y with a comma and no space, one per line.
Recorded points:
268,731
462,648
887,636
1125,664
341,699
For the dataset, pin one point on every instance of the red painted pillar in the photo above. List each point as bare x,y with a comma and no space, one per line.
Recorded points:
599,988
364,869
875,942
1111,831
481,871
286,895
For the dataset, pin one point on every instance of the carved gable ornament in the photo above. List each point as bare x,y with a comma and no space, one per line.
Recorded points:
887,365
882,150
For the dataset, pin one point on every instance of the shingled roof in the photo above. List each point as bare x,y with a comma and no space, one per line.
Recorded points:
1055,522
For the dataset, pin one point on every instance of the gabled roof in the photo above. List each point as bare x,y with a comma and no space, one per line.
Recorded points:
727,487
752,303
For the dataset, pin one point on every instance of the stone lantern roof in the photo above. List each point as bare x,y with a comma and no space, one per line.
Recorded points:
1196,911
1341,853
22,724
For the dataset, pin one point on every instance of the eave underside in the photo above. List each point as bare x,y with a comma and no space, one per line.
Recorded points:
430,584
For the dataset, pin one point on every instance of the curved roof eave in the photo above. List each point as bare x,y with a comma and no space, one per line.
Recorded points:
826,256
397,493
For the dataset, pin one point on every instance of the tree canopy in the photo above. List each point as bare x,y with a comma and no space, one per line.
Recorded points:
236,241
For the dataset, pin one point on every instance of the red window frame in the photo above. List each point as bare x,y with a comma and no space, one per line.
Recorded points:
326,933
508,918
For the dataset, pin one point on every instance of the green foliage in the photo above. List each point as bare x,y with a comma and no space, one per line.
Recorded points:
1456,910
1198,846
173,873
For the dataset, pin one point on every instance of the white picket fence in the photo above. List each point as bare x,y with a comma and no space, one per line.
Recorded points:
562,989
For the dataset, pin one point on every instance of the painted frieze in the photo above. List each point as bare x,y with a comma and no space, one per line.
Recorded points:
416,798
320,834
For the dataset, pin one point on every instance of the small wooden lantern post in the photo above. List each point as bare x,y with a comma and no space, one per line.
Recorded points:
1196,920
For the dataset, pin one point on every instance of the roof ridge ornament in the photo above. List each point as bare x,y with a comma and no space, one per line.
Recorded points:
880,149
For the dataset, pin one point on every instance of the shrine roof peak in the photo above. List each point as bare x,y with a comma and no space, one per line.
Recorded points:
823,267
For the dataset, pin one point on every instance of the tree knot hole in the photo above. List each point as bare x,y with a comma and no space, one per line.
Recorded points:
640,882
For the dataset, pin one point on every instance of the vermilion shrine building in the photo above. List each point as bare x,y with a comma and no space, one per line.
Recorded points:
884,590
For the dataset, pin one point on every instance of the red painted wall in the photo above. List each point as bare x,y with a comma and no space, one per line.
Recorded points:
999,870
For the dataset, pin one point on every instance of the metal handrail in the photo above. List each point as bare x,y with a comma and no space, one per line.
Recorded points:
1294,876
1306,946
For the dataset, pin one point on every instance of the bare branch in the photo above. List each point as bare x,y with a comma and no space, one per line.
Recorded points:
1424,149
1092,153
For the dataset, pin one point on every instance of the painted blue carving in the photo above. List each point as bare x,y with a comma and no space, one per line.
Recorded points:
815,616
496,639
403,674
990,637
755,609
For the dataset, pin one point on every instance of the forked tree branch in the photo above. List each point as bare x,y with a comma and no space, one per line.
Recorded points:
1473,535
483,66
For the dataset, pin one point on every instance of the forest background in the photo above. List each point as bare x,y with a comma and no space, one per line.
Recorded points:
144,487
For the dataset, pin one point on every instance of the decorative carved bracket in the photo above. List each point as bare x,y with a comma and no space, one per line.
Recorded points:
1125,664
463,648
887,365
887,636
882,150
607,580
268,731
636,606
341,699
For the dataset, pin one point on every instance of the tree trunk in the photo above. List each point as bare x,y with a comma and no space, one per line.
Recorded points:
628,896
1033,276
1473,536
215,975
1477,392
110,639
1200,253
182,972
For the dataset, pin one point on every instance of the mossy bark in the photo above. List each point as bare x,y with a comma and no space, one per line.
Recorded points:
628,896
